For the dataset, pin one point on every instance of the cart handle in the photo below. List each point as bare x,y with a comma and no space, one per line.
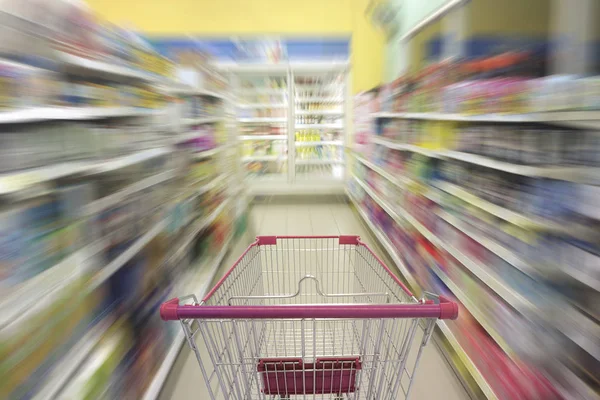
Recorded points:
445,309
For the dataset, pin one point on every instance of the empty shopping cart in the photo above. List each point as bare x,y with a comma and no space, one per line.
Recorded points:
315,317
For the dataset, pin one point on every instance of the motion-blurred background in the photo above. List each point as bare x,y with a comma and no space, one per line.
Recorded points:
136,137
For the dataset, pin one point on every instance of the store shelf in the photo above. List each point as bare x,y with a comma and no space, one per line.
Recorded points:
125,161
88,66
271,91
265,120
502,252
16,304
115,198
320,143
69,113
466,361
448,335
198,92
324,113
572,229
220,179
559,117
198,227
112,267
319,126
387,245
264,137
68,366
209,153
317,99
510,296
404,147
264,158
263,105
319,162
203,282
203,120
399,180
473,309
24,179
17,181
572,174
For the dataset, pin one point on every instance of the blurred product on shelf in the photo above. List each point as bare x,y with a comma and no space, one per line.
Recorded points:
105,209
517,247
505,83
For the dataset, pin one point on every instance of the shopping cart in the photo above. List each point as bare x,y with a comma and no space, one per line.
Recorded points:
317,317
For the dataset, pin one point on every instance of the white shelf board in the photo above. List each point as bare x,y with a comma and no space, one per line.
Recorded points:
263,137
320,143
190,91
399,180
407,147
572,174
332,113
534,223
263,120
320,99
130,159
203,120
318,162
107,68
538,117
262,105
16,181
69,113
319,126
264,158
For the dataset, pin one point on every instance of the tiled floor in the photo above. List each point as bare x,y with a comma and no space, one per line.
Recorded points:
435,379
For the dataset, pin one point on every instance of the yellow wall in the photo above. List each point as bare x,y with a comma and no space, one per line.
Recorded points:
256,17
523,17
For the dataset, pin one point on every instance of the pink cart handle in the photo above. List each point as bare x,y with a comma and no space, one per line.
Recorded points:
446,309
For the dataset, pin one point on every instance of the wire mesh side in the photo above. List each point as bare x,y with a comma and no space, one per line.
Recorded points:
386,351
276,270
384,347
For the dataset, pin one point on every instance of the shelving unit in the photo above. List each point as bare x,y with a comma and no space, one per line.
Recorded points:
117,190
292,122
448,202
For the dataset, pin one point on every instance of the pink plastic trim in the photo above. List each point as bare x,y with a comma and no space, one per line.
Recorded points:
368,311
449,309
349,239
292,376
394,277
168,310
229,271
266,240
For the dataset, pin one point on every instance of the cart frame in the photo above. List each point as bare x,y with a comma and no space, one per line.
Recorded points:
318,317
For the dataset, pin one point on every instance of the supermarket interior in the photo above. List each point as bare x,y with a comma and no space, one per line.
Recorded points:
324,199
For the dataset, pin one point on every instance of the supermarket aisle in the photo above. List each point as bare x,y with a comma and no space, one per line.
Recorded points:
435,379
